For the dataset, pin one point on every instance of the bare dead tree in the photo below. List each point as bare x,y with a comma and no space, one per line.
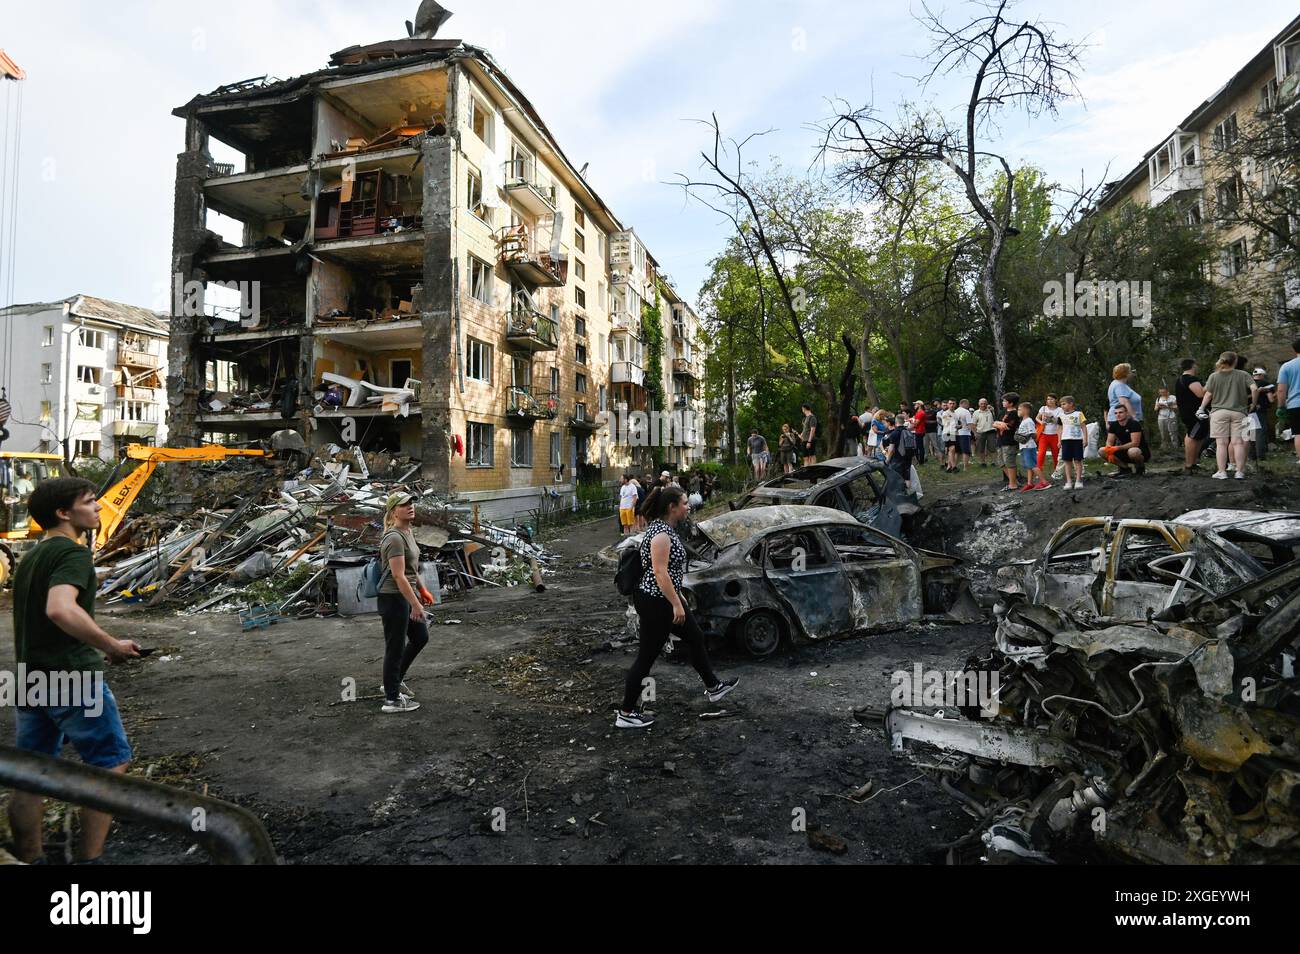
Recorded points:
1011,65
728,192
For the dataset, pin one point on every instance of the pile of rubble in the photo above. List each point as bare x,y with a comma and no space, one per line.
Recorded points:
1170,740
272,544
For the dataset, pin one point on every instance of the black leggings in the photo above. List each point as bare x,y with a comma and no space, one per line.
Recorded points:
403,640
656,615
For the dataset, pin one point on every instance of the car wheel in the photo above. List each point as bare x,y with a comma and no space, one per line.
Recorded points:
759,633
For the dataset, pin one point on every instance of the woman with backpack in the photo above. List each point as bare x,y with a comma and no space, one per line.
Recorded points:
402,599
660,608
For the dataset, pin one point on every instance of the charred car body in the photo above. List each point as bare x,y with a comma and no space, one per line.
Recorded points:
1168,732
764,575
868,490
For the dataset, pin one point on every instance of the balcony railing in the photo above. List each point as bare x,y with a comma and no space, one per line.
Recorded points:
627,372
582,417
520,254
525,404
681,401
532,330
684,366
624,321
137,359
523,179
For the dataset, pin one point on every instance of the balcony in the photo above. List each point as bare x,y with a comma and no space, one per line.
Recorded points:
1175,168
679,331
531,330
129,392
524,406
528,187
627,372
624,322
132,358
135,429
582,419
681,402
520,255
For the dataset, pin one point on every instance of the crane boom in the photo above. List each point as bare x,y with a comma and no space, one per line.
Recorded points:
117,499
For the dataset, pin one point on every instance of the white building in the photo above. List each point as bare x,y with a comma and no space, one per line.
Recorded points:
88,376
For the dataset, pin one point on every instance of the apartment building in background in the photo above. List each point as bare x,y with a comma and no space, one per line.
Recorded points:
421,270
1197,167
87,377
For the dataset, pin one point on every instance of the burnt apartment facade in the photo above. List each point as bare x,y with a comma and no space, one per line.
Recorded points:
422,271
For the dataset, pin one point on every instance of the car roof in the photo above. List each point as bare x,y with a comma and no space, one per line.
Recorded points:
1282,526
740,525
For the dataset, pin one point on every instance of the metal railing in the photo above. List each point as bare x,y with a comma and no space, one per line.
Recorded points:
524,322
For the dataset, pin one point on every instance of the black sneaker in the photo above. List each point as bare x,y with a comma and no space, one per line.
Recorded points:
1141,469
720,690
633,720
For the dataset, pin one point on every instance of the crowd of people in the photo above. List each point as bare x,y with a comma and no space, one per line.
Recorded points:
635,493
1236,409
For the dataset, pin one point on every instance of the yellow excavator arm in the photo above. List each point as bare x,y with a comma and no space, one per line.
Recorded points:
117,499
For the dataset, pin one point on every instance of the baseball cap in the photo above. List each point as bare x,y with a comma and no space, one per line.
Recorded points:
664,473
397,499
1260,371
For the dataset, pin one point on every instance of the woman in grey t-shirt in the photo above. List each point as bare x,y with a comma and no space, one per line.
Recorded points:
402,599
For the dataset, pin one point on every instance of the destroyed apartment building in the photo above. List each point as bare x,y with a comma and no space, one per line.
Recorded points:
422,273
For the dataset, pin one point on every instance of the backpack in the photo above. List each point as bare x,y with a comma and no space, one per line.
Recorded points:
906,441
630,569
372,576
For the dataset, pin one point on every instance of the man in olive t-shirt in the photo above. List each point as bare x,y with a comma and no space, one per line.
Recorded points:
55,635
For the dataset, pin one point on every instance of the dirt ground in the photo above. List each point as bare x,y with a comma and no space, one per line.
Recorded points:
517,715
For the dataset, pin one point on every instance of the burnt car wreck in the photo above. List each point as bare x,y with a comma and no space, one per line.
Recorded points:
764,576
868,490
1163,730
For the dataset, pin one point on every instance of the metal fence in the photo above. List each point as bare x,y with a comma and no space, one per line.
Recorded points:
561,511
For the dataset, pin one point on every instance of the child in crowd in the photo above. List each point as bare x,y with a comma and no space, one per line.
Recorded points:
1073,435
1007,426
1027,440
1050,440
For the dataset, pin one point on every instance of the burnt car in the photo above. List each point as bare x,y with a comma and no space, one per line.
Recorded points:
1131,569
767,575
870,491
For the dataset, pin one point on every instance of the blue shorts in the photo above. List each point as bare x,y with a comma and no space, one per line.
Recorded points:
1029,457
99,739
1072,450
963,444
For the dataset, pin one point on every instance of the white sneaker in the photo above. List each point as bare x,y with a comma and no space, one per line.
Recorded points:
1067,486
1078,484
1240,475
403,704
1058,474
1220,475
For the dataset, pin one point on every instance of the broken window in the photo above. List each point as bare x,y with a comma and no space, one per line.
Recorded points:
85,449
90,338
1235,258
480,120
478,444
480,280
1225,133
579,270
399,372
555,450
474,195
580,327
478,361
579,297
794,551
47,337
861,544
580,383
47,373
1076,552
580,353
46,412
87,374
521,448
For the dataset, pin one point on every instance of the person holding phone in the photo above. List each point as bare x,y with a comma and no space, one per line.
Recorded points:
402,599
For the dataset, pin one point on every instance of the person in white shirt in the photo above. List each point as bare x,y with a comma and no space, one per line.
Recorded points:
1073,435
965,432
1167,418
627,506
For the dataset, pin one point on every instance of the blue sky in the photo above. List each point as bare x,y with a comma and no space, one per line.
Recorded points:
617,82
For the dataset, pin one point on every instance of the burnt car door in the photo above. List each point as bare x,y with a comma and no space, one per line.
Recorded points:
883,575
1072,570
1145,572
870,504
806,578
